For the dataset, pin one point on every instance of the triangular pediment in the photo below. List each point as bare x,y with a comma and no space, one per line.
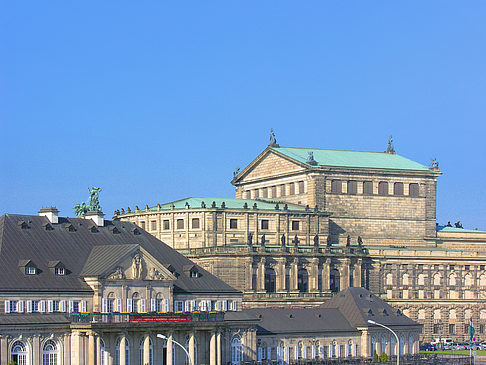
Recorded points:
269,163
125,262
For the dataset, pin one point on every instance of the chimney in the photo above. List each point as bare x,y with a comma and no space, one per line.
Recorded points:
96,216
51,213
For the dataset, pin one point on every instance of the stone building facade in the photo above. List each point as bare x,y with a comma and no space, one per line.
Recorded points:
364,219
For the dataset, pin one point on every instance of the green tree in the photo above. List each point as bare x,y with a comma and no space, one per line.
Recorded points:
383,357
375,356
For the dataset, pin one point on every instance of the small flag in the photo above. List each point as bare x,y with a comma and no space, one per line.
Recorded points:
471,329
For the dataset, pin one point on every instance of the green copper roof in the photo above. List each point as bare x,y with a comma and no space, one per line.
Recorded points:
230,203
353,159
457,230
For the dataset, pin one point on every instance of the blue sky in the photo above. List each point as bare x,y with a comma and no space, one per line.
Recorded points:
156,101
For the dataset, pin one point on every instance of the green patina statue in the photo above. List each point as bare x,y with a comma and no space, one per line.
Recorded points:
94,203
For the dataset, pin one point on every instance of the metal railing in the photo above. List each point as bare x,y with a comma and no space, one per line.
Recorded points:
110,318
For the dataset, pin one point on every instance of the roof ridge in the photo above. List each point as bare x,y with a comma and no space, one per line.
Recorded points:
332,149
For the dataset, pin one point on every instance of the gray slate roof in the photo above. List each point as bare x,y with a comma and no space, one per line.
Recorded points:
73,248
301,320
358,305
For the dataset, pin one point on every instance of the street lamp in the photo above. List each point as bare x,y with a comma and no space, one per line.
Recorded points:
394,334
159,335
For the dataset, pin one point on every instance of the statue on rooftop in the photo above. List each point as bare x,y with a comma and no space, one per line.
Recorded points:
272,137
434,164
458,224
310,158
93,205
390,148
236,172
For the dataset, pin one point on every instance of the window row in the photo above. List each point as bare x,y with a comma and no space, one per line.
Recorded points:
233,224
276,191
205,305
44,306
367,188
436,280
141,305
50,353
303,352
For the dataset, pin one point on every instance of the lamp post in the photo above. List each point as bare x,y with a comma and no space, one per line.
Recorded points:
394,334
159,335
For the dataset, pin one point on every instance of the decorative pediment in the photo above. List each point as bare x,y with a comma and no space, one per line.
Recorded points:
268,164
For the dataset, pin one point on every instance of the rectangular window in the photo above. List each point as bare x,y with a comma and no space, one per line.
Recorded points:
368,187
336,186
295,225
481,328
382,188
142,225
35,306
75,306
451,267
292,189
257,193
153,225
13,306
180,224
233,223
166,224
159,305
301,187
110,305
467,267
178,306
195,223
55,305
466,328
274,191
413,190
398,188
59,271
282,190
29,270
265,193
264,224
436,328
481,267
352,187
452,328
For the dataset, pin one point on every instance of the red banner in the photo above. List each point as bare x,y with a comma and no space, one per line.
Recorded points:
160,318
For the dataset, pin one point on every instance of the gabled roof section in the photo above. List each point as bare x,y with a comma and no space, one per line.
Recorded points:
103,258
73,249
358,305
300,320
353,159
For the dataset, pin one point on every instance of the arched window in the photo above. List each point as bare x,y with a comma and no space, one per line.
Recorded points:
270,280
482,280
452,314
303,281
104,353
135,302
389,279
50,353
468,280
436,279
452,279
335,281
151,351
195,348
236,350
405,279
467,314
127,352
410,344
437,313
398,188
421,313
482,314
421,279
19,353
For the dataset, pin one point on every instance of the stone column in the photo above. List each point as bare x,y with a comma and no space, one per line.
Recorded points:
280,280
218,348
212,349
98,350
345,275
378,346
406,350
77,353
261,275
122,351
170,348
365,344
91,349
294,272
249,274
67,348
357,273
192,348
326,271
146,349
314,275
35,347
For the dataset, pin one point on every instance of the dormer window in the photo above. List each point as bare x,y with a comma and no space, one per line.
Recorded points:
57,268
191,271
59,271
193,274
30,270
28,267
69,227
